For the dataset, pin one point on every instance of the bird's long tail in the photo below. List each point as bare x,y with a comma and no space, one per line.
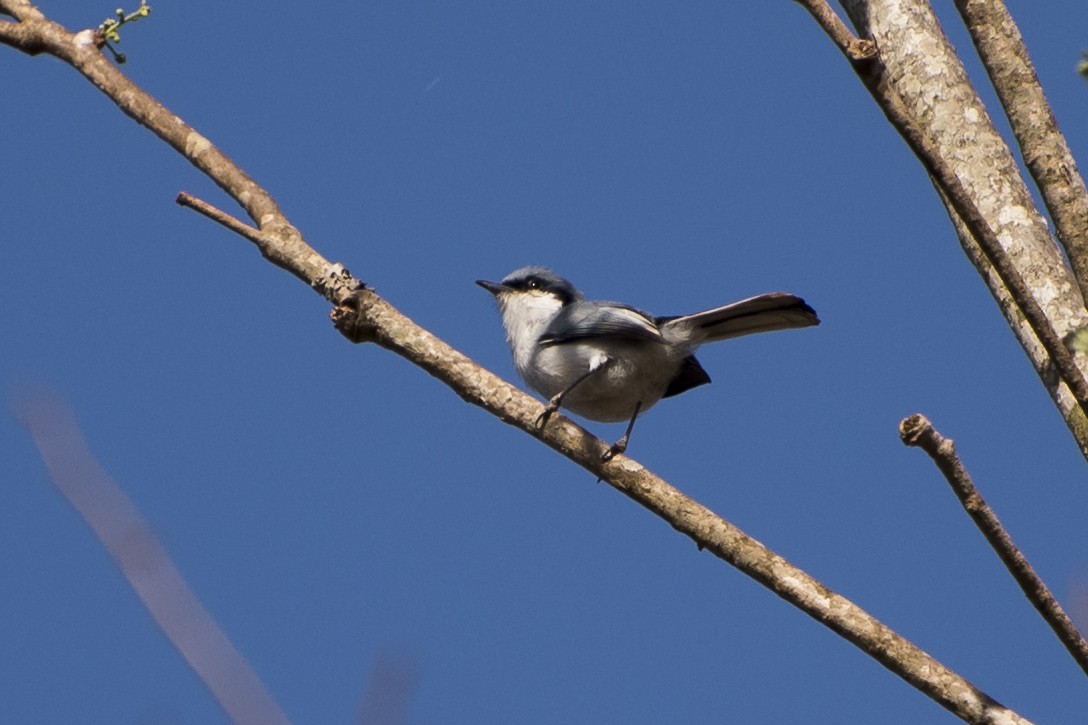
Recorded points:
762,313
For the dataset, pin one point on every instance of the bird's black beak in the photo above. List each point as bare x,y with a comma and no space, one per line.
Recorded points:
492,287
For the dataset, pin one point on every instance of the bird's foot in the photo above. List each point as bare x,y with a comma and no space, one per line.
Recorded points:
549,410
618,447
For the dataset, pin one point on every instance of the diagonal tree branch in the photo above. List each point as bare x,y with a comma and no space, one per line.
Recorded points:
362,315
1042,145
35,33
917,431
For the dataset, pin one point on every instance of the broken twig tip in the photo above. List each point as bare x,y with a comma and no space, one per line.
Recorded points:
912,428
861,49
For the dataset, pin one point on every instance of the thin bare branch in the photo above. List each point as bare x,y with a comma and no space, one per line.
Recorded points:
1042,145
81,52
919,432
365,316
853,47
219,216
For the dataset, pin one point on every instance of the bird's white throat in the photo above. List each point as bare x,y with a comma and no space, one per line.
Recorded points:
525,317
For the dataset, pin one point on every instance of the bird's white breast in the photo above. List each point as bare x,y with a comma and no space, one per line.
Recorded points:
633,373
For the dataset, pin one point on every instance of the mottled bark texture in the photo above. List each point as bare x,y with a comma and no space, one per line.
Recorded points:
922,67
1042,146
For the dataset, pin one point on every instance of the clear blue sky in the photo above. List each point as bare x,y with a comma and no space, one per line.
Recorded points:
330,503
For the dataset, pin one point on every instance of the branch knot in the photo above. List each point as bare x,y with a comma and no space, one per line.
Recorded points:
349,316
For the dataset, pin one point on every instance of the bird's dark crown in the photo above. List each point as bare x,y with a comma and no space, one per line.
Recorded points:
542,279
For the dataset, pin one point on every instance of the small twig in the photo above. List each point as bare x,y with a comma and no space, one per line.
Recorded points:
108,30
853,47
918,432
219,216
34,33
336,284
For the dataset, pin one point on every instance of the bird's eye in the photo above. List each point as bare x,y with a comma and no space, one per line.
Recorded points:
533,284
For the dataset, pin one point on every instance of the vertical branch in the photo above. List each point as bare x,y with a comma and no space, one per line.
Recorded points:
920,84
1042,145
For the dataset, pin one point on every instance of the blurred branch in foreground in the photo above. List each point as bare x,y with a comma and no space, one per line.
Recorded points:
145,563
389,689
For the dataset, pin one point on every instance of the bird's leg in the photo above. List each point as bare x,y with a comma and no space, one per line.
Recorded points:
556,400
621,445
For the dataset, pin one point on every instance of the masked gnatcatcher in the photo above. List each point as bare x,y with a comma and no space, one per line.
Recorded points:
610,362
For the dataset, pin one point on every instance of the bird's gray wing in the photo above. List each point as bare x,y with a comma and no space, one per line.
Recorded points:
581,321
